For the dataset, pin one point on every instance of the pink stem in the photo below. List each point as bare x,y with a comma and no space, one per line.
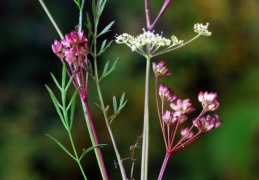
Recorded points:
95,137
166,4
164,165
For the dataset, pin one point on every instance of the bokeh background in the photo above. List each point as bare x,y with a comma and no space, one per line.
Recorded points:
227,63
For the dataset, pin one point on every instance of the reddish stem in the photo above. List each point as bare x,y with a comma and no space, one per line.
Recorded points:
164,165
95,136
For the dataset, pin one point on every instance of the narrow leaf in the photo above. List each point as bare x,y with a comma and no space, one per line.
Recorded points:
73,105
69,82
60,145
55,80
105,68
64,76
106,29
114,104
57,105
85,151
102,8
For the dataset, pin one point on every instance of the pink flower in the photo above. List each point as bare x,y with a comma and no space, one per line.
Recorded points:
207,123
184,106
178,116
186,133
209,100
70,54
160,69
166,94
74,38
167,117
57,46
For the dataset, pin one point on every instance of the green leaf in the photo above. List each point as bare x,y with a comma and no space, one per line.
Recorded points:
105,68
64,76
122,103
69,82
106,29
73,104
94,11
85,151
57,105
114,104
89,26
102,8
103,47
60,145
55,80
105,73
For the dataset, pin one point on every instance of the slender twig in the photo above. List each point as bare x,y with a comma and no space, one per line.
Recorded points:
51,19
145,143
164,7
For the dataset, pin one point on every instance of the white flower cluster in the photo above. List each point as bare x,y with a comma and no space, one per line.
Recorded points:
146,38
202,29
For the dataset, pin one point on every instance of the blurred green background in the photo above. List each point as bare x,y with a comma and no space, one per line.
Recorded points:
227,63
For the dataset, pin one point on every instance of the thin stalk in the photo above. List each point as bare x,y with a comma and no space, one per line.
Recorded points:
145,142
94,140
51,19
147,12
165,5
76,156
164,166
158,111
122,169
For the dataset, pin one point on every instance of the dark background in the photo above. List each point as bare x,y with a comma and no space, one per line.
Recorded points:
226,62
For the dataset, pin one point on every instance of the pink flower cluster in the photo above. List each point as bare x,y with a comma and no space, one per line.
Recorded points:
179,110
73,48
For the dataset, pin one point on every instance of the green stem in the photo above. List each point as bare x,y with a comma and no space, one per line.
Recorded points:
145,143
122,169
75,152
51,19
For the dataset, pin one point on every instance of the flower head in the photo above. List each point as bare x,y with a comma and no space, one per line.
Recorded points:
184,106
146,38
202,29
73,48
207,123
166,94
209,100
160,69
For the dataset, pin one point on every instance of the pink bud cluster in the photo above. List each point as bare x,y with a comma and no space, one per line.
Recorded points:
160,69
73,48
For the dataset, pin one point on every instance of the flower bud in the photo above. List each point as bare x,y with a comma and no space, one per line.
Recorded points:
209,100
184,106
185,132
207,123
160,69
166,94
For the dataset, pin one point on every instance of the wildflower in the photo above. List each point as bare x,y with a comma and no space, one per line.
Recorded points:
184,106
209,100
202,29
178,116
160,69
73,48
186,133
146,38
167,117
166,94
207,123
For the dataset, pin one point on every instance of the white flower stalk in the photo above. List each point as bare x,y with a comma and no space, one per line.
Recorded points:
202,29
